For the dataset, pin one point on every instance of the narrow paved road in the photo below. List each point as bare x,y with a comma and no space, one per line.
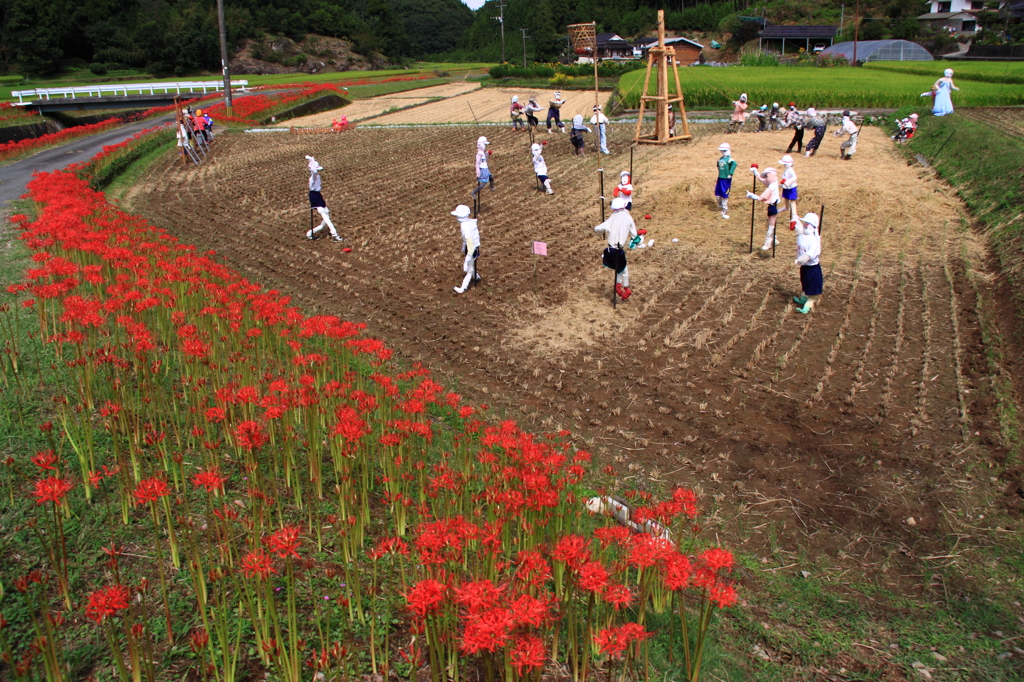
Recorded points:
14,176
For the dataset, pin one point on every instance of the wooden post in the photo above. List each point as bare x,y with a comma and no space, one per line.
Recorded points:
821,219
597,94
752,204
311,235
600,172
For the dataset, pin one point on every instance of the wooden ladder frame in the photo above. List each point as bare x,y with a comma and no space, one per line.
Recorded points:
663,55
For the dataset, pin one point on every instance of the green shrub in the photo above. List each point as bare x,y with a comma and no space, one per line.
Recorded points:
760,59
98,68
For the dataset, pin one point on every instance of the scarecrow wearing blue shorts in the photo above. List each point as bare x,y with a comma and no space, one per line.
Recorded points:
726,169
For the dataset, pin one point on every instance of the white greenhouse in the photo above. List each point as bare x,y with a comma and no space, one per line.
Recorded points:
891,50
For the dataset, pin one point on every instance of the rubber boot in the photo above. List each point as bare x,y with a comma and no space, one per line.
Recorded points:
491,183
808,306
800,300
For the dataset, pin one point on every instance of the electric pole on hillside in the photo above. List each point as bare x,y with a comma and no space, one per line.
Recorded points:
224,57
856,31
523,31
501,20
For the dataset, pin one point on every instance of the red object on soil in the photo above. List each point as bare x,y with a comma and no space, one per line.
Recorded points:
647,217
641,232
347,249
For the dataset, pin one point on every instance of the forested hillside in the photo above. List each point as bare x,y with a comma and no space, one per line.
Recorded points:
180,36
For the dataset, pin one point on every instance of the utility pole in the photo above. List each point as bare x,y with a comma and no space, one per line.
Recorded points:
842,15
224,57
856,31
523,31
501,20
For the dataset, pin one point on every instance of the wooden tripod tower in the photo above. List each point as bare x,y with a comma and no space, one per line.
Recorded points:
664,56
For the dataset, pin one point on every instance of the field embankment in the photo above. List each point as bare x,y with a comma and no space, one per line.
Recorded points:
708,87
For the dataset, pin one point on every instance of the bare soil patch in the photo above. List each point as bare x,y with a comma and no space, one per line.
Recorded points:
490,105
374,106
821,434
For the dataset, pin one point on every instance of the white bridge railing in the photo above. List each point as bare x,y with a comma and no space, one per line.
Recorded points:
124,89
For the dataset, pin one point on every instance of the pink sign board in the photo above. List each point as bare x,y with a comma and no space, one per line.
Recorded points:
540,248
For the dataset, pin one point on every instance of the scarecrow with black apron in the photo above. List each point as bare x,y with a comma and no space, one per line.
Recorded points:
316,201
808,251
622,234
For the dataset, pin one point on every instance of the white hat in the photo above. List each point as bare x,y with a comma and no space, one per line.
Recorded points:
461,211
811,219
743,97
768,170
948,73
913,116
786,160
535,148
724,147
626,173
618,203
482,140
515,98
811,111
775,104
577,119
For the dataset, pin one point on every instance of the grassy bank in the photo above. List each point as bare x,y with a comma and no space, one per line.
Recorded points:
714,88
988,72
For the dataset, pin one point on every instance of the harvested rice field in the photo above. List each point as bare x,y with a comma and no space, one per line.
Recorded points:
843,437
361,109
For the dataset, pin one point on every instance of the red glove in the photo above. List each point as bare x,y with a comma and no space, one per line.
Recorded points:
627,192
641,232
489,152
753,165
792,224
615,192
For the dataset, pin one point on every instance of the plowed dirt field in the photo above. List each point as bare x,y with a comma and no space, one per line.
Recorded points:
374,106
830,429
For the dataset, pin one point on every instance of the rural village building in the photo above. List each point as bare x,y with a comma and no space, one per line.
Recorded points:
613,46
955,16
798,36
687,51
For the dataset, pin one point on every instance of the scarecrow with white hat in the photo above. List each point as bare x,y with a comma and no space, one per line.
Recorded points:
540,168
516,112
808,251
726,169
818,124
554,112
795,120
770,197
621,231
601,121
787,185
576,134
739,115
470,247
624,189
483,173
849,147
316,201
531,109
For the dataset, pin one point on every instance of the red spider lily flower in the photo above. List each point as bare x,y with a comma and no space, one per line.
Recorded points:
106,602
613,641
723,595
571,550
531,611
646,550
210,479
46,427
51,489
528,653
257,565
716,559
285,542
478,596
216,414
110,409
619,596
426,597
150,490
593,576
487,631
610,534
250,435
533,568
45,460
197,640
678,572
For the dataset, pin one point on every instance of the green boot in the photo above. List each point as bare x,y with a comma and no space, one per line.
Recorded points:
800,300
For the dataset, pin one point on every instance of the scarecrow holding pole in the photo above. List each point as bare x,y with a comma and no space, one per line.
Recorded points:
769,197
621,231
817,124
624,189
554,112
787,183
601,121
739,115
540,168
483,173
848,148
317,203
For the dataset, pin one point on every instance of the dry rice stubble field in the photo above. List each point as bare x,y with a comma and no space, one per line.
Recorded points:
814,436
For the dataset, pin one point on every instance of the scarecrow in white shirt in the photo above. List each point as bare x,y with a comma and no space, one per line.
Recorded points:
316,201
808,251
622,234
540,168
769,197
470,247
